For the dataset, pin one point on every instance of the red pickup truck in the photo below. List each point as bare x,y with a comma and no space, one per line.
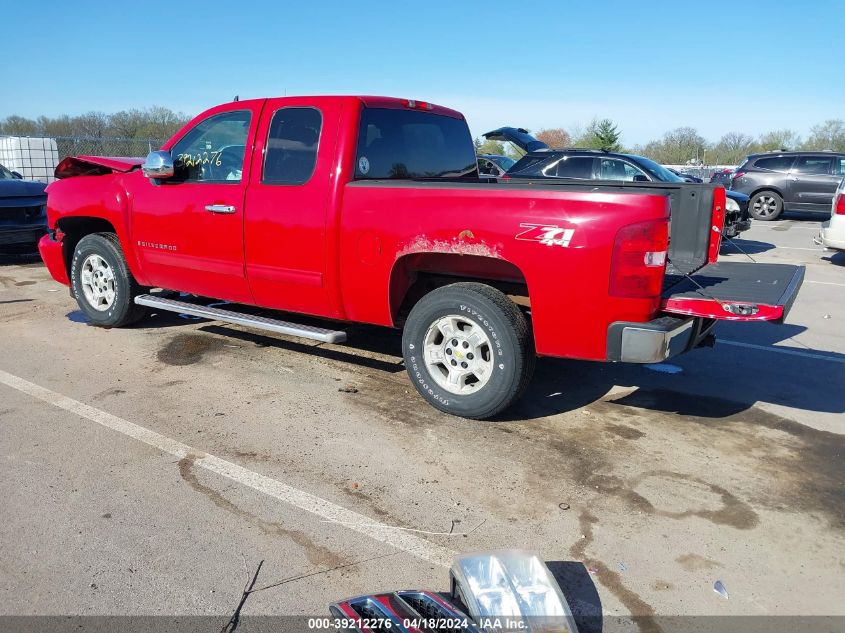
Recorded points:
371,210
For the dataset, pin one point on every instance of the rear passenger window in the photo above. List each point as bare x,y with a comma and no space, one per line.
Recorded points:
813,164
840,165
572,167
776,163
292,142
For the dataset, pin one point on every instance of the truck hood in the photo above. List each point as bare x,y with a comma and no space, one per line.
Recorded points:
96,165
518,136
16,189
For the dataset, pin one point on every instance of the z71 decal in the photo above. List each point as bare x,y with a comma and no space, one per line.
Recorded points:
545,234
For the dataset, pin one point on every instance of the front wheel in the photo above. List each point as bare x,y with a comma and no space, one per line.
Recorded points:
102,284
468,350
765,205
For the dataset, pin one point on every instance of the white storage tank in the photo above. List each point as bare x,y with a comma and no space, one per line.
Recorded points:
33,158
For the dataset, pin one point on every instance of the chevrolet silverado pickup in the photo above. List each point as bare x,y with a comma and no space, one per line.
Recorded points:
371,210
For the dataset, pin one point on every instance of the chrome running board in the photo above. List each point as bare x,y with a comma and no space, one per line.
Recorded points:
258,322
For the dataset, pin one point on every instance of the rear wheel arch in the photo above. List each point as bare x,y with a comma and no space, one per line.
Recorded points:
414,276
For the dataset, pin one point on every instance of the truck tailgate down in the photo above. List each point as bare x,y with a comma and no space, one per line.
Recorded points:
734,291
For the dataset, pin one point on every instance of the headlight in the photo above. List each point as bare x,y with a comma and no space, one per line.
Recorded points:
731,206
512,585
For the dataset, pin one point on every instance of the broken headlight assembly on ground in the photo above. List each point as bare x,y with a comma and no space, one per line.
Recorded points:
490,592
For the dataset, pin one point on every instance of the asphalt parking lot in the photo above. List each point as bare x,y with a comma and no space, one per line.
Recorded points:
148,470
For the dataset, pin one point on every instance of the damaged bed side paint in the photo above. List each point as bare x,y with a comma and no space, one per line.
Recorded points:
456,246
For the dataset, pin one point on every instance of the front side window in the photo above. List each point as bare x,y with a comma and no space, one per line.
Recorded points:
404,144
213,150
292,142
580,167
612,169
813,164
776,163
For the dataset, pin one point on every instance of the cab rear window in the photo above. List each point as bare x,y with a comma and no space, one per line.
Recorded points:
397,144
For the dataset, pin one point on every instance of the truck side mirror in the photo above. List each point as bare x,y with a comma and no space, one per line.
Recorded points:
158,165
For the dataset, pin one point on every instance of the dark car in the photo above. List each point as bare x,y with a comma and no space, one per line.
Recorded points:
685,177
789,181
540,161
722,177
494,165
23,217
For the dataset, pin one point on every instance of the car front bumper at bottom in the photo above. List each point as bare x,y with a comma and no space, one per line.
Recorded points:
657,340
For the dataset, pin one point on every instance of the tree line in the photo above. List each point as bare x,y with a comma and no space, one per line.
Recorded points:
156,123
683,145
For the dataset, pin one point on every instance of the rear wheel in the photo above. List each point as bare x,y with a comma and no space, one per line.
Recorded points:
102,284
468,350
765,205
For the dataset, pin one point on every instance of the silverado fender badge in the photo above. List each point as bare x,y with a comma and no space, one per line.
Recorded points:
547,235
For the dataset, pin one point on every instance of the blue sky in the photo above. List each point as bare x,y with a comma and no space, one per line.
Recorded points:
743,66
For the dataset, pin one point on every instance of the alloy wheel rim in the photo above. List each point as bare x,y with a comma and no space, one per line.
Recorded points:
458,354
97,279
765,205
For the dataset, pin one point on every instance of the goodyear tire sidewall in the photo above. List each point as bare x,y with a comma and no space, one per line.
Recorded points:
502,379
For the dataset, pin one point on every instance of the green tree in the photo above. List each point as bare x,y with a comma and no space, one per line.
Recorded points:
828,135
778,139
681,146
606,136
489,147
731,149
19,126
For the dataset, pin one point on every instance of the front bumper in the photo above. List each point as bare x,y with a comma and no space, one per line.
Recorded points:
52,252
736,228
15,234
656,340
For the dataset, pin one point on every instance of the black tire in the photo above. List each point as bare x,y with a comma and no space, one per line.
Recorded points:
765,206
510,346
123,309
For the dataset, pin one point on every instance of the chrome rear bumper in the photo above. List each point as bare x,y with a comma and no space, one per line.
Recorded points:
656,340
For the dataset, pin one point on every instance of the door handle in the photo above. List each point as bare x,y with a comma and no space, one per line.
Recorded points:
220,208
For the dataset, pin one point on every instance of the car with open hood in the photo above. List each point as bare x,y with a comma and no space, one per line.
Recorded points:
541,161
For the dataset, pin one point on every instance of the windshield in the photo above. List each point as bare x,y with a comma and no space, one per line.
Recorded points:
5,174
658,172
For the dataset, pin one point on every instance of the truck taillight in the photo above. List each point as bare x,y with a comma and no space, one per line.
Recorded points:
639,259
717,224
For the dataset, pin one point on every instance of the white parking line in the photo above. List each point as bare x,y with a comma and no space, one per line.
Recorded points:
781,350
825,283
322,508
